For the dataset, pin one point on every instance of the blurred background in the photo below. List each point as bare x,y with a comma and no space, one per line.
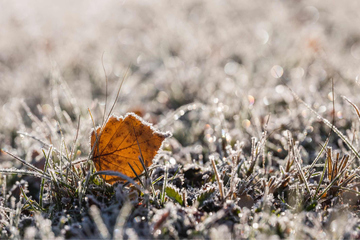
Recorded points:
231,59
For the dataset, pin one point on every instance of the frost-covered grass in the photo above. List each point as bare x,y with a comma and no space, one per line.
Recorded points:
262,146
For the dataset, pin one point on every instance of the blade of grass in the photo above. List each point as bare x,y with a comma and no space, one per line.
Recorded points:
106,87
23,172
75,140
47,157
335,166
321,179
218,179
4,187
25,163
36,207
158,179
86,184
123,176
147,175
302,175
63,142
163,194
354,106
313,164
117,95
137,176
344,162
329,157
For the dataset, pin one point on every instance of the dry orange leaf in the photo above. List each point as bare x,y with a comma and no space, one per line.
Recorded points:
121,142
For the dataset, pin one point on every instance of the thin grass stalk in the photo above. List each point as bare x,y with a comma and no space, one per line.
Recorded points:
28,200
157,180
80,193
302,175
18,213
232,181
64,144
335,167
313,164
47,157
97,136
26,163
163,194
253,156
354,106
61,162
141,158
330,168
85,186
118,93
321,179
184,197
67,175
147,175
344,162
72,153
218,179
4,191
65,147
106,87
88,177
137,176
10,171
123,176
54,179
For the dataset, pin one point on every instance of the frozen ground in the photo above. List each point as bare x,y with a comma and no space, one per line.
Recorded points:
211,72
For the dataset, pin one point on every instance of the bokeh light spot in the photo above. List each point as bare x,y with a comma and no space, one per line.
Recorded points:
277,71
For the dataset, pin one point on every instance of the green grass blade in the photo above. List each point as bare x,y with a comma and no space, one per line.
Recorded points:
321,179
